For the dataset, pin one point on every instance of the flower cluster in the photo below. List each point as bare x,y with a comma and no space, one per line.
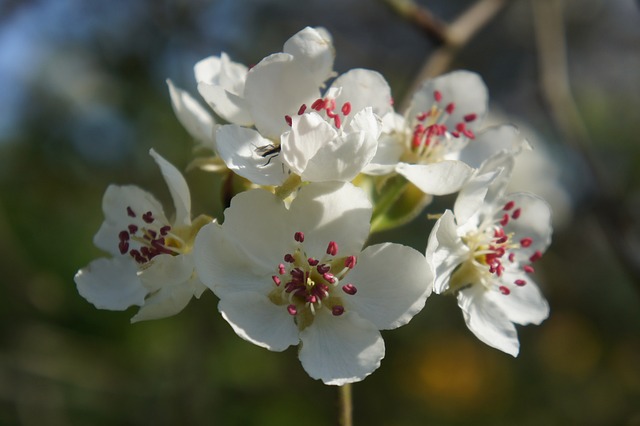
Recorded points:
327,161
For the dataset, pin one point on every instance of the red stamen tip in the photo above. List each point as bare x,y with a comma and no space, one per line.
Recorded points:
292,309
520,282
504,290
299,237
349,289
509,206
346,108
337,310
288,119
437,95
332,248
516,213
526,242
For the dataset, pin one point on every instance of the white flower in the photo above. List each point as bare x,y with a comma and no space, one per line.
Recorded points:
152,264
484,253
196,119
424,145
286,275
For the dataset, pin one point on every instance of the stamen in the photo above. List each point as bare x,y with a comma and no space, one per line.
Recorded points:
302,109
288,120
535,256
276,280
147,217
281,269
323,268
337,122
350,262
470,117
124,247
528,269
512,257
520,282
165,230
526,242
437,96
337,310
124,236
505,220
346,108
292,309
349,289
509,206
299,237
329,278
504,290
516,213
130,212
132,229
450,107
332,249
312,262
318,104
289,258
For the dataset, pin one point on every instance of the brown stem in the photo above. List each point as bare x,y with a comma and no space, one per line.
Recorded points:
345,405
421,17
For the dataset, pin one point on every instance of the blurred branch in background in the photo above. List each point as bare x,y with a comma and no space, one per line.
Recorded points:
608,204
451,37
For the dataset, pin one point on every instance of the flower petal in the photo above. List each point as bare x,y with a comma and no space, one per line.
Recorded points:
340,350
242,151
168,301
388,153
111,284
312,49
445,250
331,211
364,88
393,283
167,271
487,321
258,320
223,266
177,187
491,140
227,105
524,304
471,197
534,222
441,178
277,87
195,119
309,133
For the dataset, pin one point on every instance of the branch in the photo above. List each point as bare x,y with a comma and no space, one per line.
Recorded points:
421,17
454,37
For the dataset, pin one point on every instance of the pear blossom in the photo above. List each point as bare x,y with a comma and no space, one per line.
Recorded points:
424,144
196,120
484,252
297,274
152,264
297,130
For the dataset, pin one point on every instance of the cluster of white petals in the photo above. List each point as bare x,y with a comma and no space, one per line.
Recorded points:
289,262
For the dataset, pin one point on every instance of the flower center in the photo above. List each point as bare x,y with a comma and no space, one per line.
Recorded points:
328,105
493,250
305,284
148,238
431,139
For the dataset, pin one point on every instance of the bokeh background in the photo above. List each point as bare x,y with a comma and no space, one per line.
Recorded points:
83,98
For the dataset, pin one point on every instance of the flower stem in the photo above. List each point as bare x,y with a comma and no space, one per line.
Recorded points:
291,184
391,191
346,405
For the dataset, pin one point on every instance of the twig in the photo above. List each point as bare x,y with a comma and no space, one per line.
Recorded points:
456,35
556,90
421,17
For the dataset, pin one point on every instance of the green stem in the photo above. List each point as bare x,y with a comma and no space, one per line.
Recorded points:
391,191
346,405
291,184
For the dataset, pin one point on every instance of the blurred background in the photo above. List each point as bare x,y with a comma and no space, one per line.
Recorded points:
82,99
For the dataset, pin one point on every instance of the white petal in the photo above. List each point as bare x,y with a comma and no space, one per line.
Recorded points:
227,105
487,321
313,50
388,154
225,268
534,222
167,270
331,211
178,188
309,133
364,88
523,305
342,349
444,177
207,70
341,159
222,71
489,141
464,88
471,197
256,319
277,87
242,151
195,119
445,250
115,202
393,283
258,223
168,301
365,121
111,284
